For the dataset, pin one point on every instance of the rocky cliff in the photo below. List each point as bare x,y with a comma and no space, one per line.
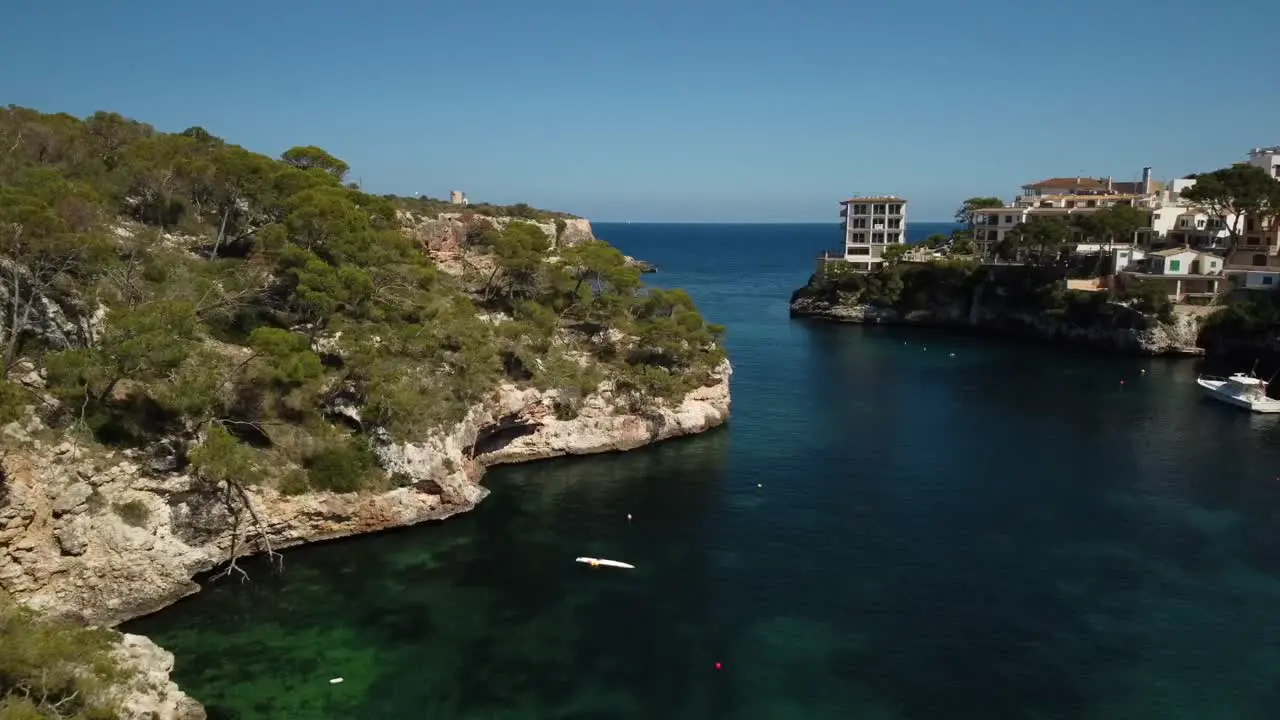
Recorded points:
101,537
148,693
1084,319
448,231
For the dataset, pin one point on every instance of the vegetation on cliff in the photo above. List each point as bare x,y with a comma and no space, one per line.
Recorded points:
51,668
272,322
953,285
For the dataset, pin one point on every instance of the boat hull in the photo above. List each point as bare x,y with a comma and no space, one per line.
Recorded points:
1216,389
600,562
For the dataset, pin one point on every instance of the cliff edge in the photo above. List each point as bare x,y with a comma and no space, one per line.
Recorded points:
101,537
1015,301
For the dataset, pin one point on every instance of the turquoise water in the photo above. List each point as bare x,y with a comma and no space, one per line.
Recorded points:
896,524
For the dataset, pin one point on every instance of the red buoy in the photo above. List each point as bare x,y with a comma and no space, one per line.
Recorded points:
719,666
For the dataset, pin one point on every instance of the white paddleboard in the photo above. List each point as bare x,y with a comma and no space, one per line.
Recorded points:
596,562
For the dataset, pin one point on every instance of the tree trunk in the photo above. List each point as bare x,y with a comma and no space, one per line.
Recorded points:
222,231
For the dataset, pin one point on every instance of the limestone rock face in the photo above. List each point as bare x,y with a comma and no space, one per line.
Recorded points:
599,426
149,694
444,236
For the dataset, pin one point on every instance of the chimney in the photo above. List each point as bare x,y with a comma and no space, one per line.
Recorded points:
1146,181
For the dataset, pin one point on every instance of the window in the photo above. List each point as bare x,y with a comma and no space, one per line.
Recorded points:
1008,219
877,238
858,238
895,223
878,210
895,209
858,251
1175,265
1275,170
859,209
894,237
1259,259
1268,280
860,222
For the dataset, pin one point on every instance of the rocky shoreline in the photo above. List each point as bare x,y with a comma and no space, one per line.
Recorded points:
101,537
1128,331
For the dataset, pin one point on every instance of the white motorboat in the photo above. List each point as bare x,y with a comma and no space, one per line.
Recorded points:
1241,390
598,562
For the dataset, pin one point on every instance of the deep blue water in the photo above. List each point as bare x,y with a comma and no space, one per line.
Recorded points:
895,524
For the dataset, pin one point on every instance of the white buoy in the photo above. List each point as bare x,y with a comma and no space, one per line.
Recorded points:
335,681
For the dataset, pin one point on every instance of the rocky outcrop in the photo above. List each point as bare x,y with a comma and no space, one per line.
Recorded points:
642,265
448,231
103,537
1124,329
36,313
147,693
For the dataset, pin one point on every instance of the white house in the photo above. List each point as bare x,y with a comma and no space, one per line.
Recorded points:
1255,279
1183,261
1185,274
1123,257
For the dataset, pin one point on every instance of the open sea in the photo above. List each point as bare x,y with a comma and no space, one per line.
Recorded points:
895,524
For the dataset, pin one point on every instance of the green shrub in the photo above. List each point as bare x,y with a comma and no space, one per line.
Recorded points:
294,482
51,668
342,469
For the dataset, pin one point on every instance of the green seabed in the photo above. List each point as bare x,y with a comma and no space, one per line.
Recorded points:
884,530
392,615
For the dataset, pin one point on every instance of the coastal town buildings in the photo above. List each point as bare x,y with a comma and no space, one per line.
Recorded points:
1068,197
871,224
457,197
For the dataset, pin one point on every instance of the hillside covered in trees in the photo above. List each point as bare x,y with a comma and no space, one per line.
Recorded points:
263,320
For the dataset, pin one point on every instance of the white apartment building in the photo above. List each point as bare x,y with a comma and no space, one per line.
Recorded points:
871,224
1267,158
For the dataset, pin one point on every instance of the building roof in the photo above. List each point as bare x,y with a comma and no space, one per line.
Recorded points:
1074,183
874,199
1093,184
1170,252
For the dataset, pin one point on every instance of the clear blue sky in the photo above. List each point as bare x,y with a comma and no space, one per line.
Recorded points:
698,110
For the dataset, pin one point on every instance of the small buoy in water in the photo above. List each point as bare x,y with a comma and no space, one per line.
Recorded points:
953,354
335,681
759,485
1143,371
719,666
1121,382
628,517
